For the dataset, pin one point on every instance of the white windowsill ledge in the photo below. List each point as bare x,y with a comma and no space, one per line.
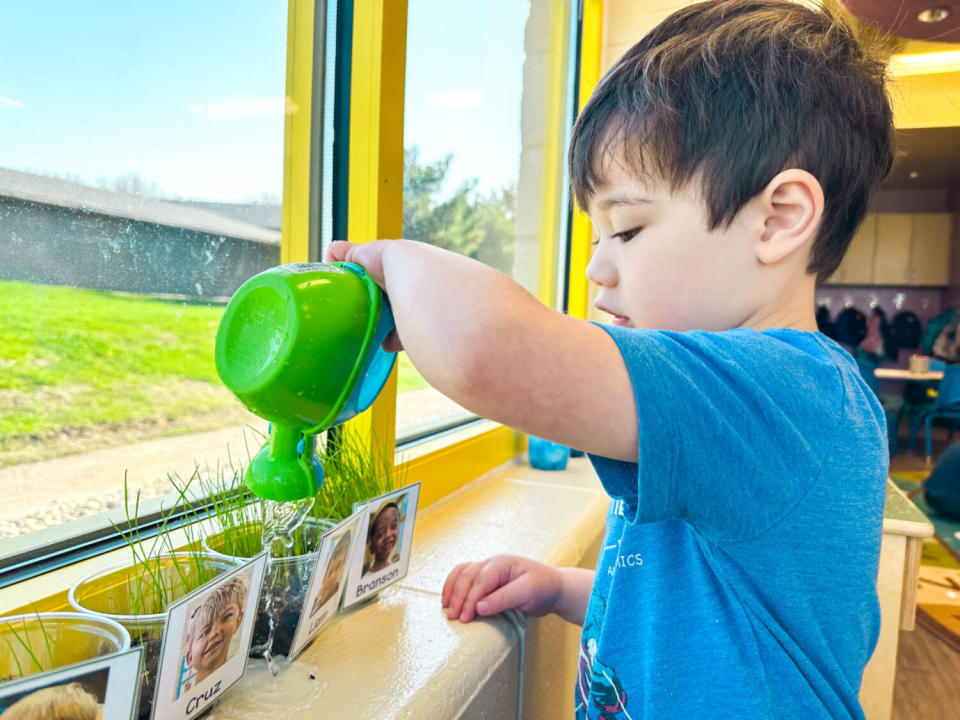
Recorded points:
399,657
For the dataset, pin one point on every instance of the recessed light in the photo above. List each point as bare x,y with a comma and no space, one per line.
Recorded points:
933,15
914,174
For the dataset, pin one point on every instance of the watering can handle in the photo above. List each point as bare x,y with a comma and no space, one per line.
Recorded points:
375,371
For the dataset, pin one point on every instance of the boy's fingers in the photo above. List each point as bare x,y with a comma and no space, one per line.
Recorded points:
491,576
449,583
506,597
392,343
460,587
339,251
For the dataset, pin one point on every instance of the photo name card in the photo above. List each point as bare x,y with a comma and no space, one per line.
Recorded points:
105,687
325,589
206,641
382,556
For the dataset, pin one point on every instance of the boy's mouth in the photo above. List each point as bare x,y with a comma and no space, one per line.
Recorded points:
617,319
213,647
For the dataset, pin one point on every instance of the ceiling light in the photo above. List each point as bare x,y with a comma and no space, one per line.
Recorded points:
925,63
914,174
934,15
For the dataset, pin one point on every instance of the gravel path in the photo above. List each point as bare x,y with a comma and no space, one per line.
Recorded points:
36,495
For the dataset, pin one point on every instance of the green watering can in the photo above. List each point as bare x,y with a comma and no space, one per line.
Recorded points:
300,346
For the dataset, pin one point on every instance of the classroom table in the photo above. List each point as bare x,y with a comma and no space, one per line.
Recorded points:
904,374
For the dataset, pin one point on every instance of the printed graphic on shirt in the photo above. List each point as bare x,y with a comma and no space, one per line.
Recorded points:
600,694
629,560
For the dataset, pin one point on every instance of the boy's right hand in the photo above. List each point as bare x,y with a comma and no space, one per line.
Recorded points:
500,583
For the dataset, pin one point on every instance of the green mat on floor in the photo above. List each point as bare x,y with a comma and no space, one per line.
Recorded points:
938,588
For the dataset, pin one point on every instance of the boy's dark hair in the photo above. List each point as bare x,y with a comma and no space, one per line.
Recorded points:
731,92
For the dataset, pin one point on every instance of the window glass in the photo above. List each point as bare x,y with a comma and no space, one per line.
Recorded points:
140,184
476,113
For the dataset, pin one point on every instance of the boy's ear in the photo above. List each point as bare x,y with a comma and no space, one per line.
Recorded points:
791,205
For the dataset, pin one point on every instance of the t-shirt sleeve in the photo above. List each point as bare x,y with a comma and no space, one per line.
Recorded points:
732,428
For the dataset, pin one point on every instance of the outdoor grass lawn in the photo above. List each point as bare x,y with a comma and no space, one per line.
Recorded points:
75,360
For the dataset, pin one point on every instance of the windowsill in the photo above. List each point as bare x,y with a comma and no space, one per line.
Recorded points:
398,655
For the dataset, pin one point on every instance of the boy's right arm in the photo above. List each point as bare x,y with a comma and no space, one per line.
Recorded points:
506,582
485,342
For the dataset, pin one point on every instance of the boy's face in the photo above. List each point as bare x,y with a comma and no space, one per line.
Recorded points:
211,641
384,537
657,265
332,577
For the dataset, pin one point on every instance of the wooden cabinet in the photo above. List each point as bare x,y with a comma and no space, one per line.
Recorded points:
891,257
898,249
857,265
930,249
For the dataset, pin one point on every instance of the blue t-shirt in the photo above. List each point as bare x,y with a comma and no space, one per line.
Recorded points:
737,578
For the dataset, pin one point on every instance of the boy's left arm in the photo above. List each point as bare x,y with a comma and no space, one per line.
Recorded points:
488,344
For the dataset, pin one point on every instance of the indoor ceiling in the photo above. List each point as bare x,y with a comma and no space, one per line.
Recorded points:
922,19
932,153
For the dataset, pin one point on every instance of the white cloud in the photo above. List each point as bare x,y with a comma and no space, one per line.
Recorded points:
256,108
456,98
10,102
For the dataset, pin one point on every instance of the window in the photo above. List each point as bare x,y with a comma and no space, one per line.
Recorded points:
141,175
141,178
485,120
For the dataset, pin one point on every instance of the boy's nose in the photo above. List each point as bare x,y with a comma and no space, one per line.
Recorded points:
600,271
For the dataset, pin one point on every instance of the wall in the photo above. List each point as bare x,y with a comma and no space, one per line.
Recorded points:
952,294
43,243
911,201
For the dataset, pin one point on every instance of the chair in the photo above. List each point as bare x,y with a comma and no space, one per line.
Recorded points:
945,405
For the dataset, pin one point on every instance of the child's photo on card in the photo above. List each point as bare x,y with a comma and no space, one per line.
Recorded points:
326,585
206,642
383,555
100,689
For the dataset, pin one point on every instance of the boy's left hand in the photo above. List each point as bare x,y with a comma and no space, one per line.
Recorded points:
501,583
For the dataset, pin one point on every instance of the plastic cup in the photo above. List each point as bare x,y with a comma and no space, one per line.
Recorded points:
107,593
287,580
38,642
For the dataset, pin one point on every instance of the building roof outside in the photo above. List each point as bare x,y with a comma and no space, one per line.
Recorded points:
61,193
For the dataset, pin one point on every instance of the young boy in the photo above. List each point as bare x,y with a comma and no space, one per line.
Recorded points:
331,579
71,701
382,537
211,627
725,162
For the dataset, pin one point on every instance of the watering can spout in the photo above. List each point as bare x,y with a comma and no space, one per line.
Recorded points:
301,346
286,468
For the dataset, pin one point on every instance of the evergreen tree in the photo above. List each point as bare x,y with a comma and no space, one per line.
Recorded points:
480,226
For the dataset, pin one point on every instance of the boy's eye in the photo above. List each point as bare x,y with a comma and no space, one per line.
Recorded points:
627,234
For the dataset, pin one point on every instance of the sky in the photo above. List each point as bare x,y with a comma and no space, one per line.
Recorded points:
189,95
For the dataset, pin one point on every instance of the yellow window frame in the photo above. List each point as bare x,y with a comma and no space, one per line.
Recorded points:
375,202
581,231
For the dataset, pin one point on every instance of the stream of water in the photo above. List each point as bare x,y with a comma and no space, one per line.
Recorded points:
280,521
